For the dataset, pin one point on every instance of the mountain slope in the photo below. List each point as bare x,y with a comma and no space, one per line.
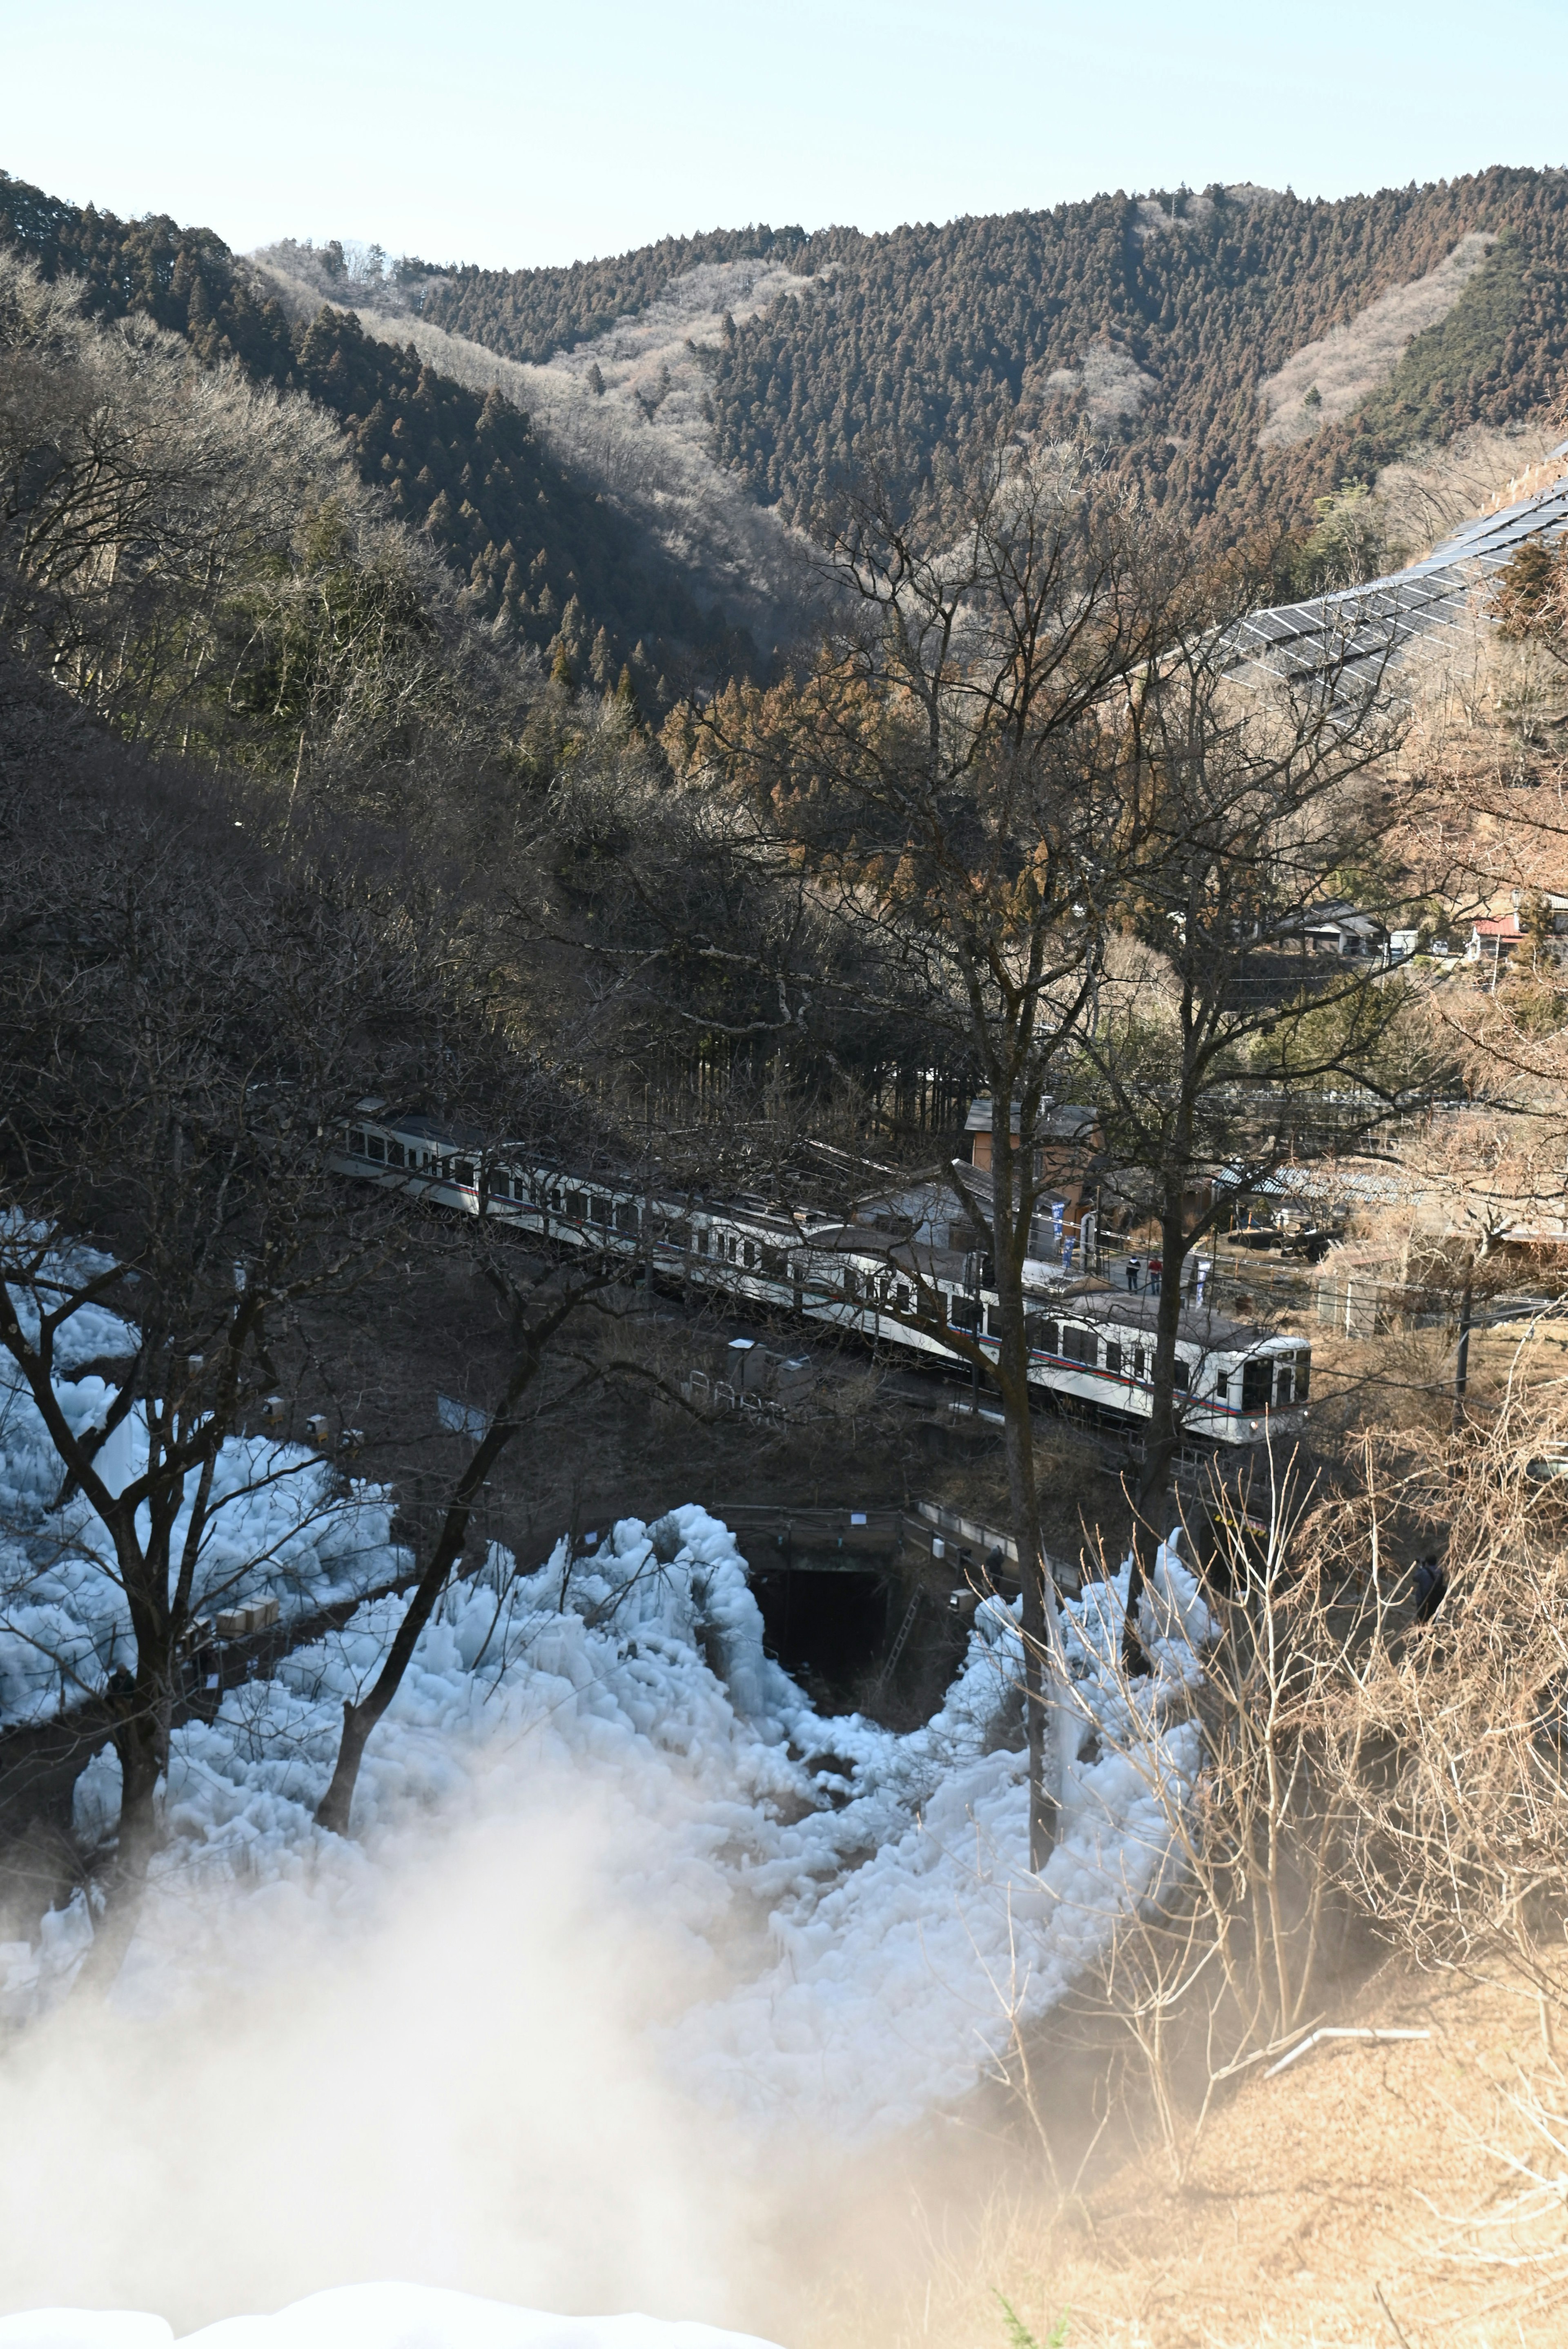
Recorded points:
530,313
1152,323
536,548
624,412
695,395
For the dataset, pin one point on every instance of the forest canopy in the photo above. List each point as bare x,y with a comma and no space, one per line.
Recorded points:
534,548
1147,321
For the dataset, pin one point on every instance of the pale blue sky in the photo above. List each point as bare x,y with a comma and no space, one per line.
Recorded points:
512,131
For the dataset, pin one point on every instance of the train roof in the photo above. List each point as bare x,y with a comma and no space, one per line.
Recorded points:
1205,1326
1057,1120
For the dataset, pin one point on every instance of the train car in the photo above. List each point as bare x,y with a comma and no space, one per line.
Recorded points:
1091,1347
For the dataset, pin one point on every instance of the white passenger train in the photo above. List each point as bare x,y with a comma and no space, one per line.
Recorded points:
1090,1346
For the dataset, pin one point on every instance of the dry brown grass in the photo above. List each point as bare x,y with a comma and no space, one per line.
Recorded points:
1378,1838
1364,2168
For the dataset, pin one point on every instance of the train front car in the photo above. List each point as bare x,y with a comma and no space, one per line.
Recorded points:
1234,1382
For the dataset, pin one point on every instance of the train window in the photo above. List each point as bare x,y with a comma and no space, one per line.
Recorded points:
1113,1357
554,1201
598,1207
463,1172
993,1320
1282,1382
356,1145
1141,1362
1303,1375
626,1216
701,1241
1257,1383
375,1147
577,1205
500,1185
773,1263
395,1155
1080,1346
1181,1376
901,1297
962,1313
852,1281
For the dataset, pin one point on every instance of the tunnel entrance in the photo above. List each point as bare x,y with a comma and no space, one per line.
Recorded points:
856,1615
828,1629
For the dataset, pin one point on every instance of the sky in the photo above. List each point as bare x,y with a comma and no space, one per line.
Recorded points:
516,133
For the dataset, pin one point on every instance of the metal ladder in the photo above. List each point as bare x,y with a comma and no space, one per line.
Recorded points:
896,1651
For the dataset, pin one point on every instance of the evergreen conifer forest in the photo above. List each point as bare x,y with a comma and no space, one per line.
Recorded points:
1145,325
1150,320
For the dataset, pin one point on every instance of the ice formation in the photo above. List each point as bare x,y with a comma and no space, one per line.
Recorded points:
904,1933
865,1929
368,2316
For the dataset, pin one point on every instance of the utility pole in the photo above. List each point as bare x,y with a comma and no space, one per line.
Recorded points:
972,1269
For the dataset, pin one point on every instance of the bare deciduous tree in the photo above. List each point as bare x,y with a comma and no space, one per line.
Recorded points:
1248,804
949,776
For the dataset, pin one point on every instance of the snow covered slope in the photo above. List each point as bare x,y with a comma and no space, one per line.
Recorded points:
368,2316
863,1929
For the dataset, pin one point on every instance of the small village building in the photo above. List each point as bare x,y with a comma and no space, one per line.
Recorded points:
1494,939
1067,1140
1341,930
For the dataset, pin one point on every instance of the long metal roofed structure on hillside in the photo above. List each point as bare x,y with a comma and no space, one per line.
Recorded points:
1356,631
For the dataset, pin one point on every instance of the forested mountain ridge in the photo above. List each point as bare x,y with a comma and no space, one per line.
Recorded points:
528,314
535,548
1165,328
1150,321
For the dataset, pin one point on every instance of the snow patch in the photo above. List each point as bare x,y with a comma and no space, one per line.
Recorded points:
369,2316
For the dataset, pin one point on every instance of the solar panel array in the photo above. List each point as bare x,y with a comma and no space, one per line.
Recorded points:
1351,635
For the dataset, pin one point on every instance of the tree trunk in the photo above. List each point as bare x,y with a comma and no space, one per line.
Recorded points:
1043,1656
141,1741
359,1720
335,1806
1045,1807
334,1810
1155,1493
